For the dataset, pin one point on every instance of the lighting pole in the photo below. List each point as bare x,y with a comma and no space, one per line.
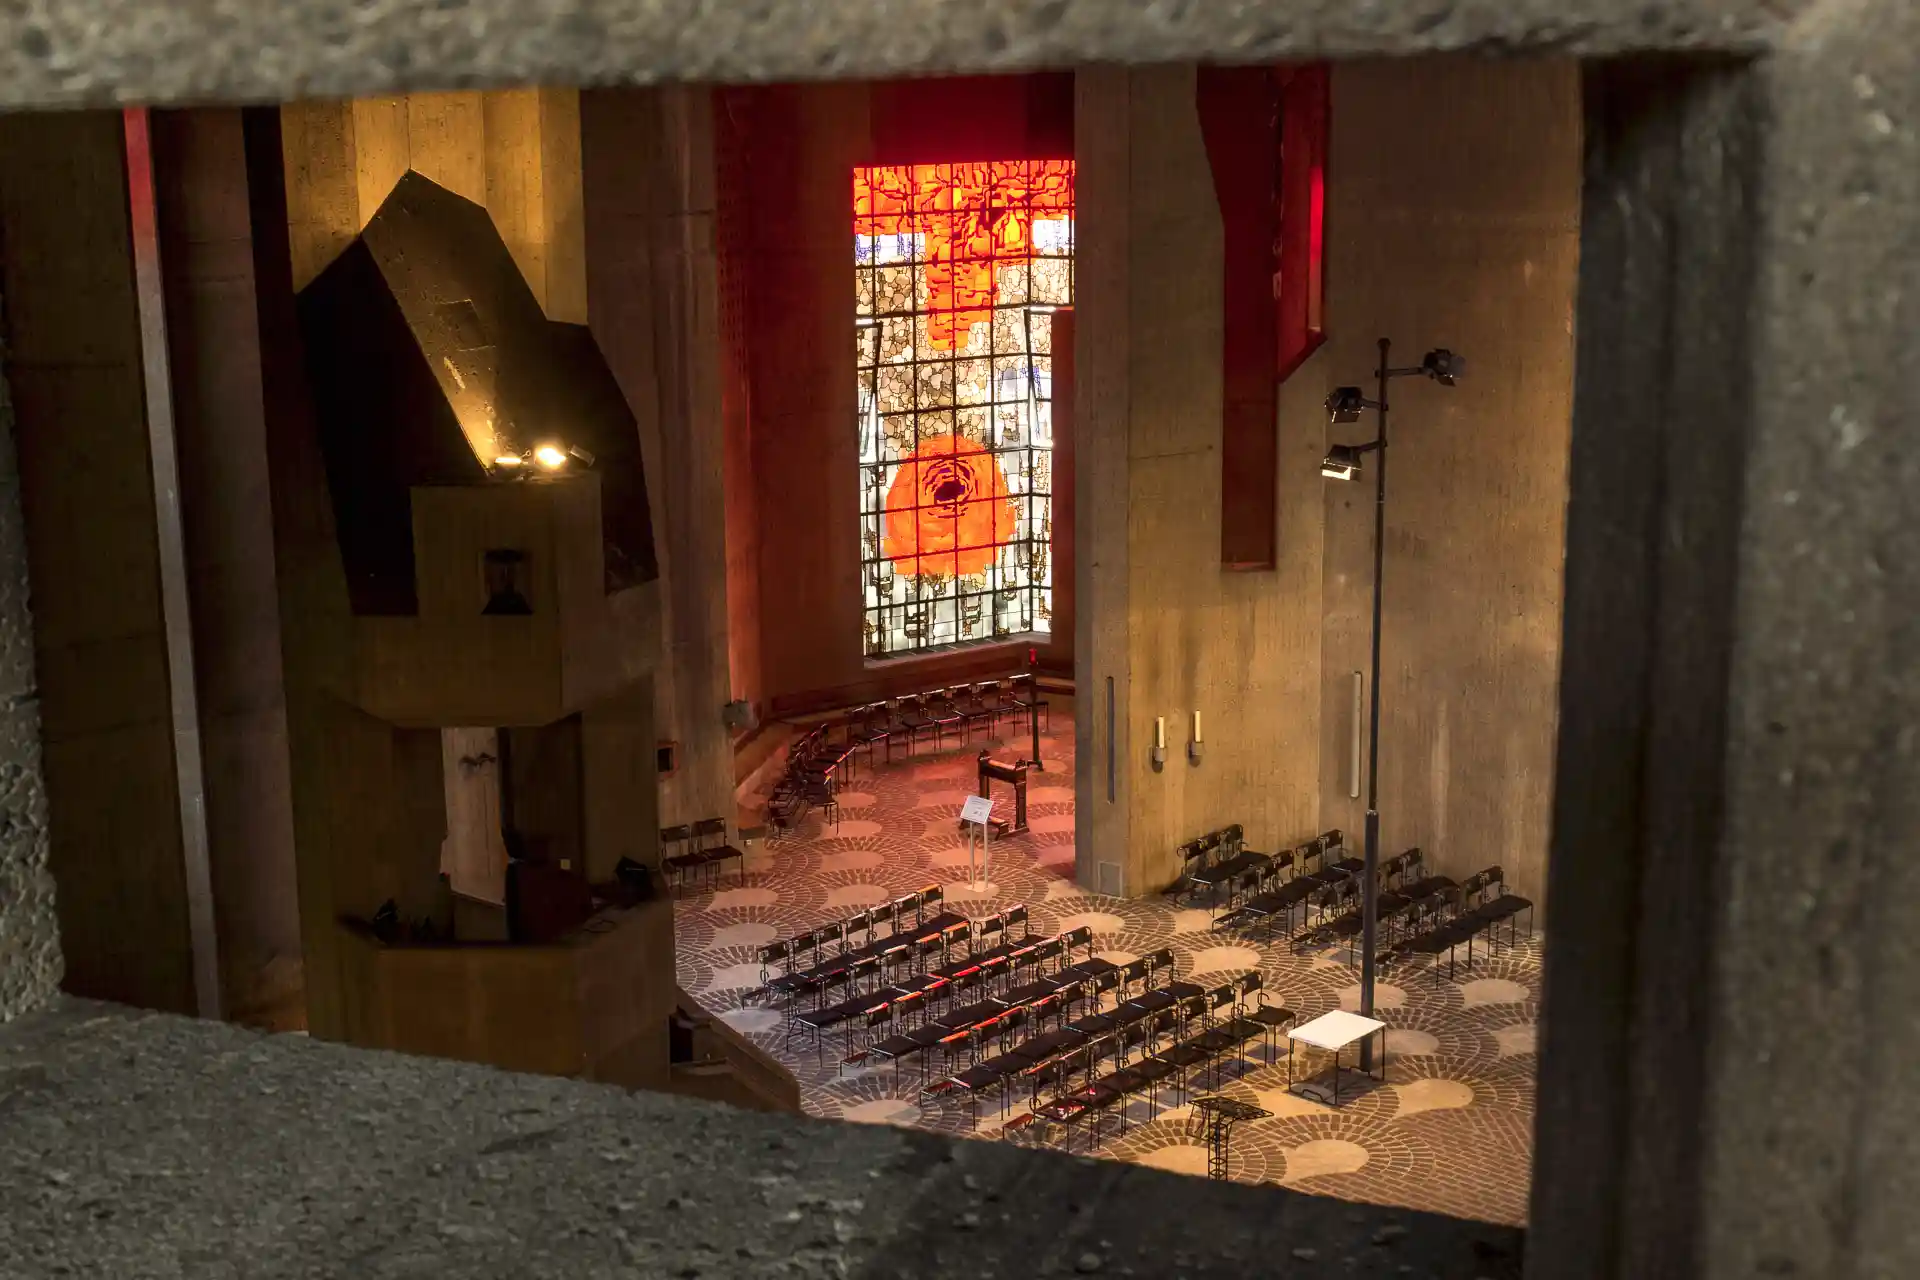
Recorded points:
1343,463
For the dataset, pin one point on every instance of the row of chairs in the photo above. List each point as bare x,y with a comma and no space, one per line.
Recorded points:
906,1027
959,710
873,979
1220,862
1442,923
820,759
1201,1032
838,943
1143,989
698,852
1320,880
815,766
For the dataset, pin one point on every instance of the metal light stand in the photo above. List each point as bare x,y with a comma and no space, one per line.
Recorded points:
1444,367
1033,711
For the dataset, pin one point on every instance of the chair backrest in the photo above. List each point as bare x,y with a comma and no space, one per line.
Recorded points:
932,896
708,827
1134,970
1191,1007
1161,960
1047,949
1101,983
832,932
881,1014
860,922
1012,1020
776,951
1249,982
1192,851
1017,914
674,835
1222,996
1333,838
1103,1047
1080,936
906,902
987,926
1415,859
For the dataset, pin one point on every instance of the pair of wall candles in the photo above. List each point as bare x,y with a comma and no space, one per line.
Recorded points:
1160,731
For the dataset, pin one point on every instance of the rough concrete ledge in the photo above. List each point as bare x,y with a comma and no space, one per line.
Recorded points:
96,51
140,1145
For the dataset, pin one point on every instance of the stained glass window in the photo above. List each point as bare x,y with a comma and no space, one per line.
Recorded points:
958,269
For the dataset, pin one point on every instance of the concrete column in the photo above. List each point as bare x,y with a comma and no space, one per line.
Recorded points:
74,364
219,410
653,297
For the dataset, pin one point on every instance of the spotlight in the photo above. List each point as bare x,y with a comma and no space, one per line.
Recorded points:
509,460
580,455
550,456
1345,404
1341,463
1443,366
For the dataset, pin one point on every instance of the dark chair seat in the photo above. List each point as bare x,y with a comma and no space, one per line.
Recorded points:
1504,907
1153,1001
1184,990
1042,1047
1027,993
1221,872
1273,1016
1095,1024
908,1043
1151,1070
1192,1052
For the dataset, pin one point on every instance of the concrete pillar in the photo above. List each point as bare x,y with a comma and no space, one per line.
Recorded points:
74,365
653,297
207,257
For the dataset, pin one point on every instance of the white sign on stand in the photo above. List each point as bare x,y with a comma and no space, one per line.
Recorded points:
976,815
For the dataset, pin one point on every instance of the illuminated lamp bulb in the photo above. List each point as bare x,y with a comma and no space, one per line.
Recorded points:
550,456
508,460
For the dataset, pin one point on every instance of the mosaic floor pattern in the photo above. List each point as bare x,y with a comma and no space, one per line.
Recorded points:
1450,1131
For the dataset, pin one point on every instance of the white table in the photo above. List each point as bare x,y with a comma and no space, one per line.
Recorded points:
1334,1032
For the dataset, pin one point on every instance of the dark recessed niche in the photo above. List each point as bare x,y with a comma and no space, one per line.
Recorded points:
669,757
504,571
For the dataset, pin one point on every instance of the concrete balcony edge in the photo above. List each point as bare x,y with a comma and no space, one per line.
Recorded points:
144,1145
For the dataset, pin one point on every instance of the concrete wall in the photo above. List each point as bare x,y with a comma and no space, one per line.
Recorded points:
653,303
74,365
1157,614
30,965
516,152
1453,220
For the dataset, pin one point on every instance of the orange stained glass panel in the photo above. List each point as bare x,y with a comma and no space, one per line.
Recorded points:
976,220
948,509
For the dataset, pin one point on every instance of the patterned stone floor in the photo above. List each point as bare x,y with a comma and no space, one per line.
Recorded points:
1450,1131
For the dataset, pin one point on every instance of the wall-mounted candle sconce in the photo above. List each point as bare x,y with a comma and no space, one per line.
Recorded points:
1159,742
1193,744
